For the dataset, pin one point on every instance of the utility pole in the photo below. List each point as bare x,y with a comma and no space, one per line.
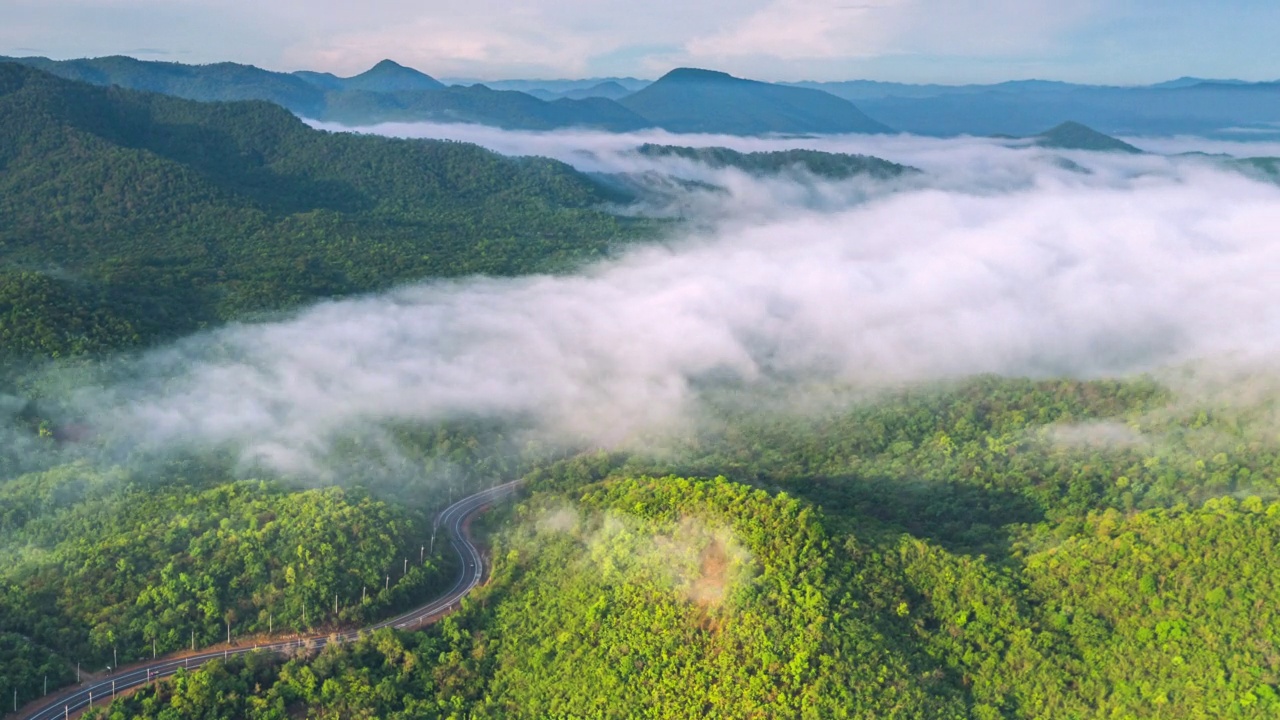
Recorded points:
422,550
364,594
271,624
193,641
153,648
335,605
115,659
46,684
77,673
387,586
113,687
406,568
228,632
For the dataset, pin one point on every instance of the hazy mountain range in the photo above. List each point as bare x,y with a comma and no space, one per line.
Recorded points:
693,100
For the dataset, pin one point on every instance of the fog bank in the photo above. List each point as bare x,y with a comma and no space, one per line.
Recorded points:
1124,265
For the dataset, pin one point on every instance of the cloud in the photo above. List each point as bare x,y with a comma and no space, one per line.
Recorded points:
792,30
1000,261
491,39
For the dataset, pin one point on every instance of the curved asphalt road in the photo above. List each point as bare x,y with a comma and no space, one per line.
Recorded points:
453,519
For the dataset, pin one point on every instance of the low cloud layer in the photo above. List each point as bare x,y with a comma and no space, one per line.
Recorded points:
1139,263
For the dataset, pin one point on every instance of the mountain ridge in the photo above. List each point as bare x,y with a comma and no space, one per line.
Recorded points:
709,101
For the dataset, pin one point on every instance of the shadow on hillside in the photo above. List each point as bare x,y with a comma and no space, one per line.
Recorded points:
962,518
245,171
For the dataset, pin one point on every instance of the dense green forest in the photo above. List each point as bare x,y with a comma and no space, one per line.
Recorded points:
92,563
993,548
126,217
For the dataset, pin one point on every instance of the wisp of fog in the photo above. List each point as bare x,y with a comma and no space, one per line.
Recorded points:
996,260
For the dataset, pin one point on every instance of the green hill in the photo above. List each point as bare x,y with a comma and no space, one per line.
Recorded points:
704,101
128,216
671,597
829,166
1074,136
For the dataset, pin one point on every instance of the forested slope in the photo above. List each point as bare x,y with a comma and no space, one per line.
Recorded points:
126,216
93,562
664,597
994,548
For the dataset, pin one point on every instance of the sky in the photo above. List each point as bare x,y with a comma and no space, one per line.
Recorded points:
943,41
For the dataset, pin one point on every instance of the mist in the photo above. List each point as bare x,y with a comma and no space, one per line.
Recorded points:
996,259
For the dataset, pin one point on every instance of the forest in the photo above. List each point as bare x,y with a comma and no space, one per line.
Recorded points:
977,547
988,548
129,217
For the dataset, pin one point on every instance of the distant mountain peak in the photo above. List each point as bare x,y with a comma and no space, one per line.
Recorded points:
391,76
693,100
1072,135
697,75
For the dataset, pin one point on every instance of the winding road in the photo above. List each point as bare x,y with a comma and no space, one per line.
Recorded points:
454,518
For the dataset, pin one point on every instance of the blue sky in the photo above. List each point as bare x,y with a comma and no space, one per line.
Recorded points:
949,41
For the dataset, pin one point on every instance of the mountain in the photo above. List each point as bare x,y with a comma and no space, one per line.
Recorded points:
1192,81
387,92
610,90
690,100
859,90
323,80
389,76
478,104
217,82
127,216
552,88
1074,136
1020,109
1264,167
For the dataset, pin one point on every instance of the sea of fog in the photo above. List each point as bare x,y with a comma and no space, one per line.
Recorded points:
996,259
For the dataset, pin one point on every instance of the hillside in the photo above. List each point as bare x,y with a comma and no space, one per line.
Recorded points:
211,83
126,217
1074,136
478,104
825,165
933,555
688,100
